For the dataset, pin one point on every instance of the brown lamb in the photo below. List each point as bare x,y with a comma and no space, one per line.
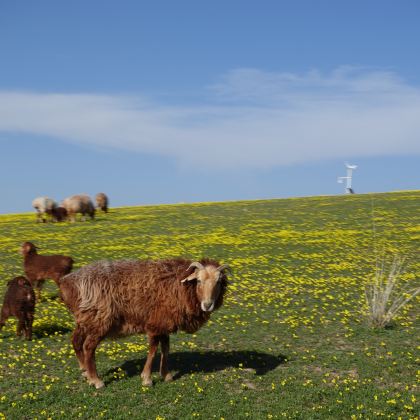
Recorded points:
38,268
19,301
133,296
59,214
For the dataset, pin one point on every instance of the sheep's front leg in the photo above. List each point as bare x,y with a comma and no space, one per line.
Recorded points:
147,370
21,324
164,346
29,319
3,317
37,285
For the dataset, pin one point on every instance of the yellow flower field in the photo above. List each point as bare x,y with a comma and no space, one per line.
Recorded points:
291,340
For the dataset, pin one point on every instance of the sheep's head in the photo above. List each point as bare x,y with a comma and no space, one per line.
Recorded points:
210,284
20,281
27,248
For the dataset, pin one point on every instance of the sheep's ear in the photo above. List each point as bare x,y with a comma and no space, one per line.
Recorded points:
191,277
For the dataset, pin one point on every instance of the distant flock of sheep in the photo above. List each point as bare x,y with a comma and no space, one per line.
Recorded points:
112,298
81,203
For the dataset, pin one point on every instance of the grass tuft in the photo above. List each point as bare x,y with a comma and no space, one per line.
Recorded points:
384,295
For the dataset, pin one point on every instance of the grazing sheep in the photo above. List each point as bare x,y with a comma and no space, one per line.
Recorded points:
43,206
80,203
38,268
102,202
59,214
19,301
133,296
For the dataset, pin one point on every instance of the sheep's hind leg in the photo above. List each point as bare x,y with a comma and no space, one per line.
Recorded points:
146,375
89,347
77,339
164,346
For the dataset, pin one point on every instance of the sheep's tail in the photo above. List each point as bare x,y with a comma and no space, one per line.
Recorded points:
68,291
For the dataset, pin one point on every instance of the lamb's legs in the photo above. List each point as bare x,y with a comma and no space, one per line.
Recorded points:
164,346
3,318
147,370
29,319
89,347
38,287
21,324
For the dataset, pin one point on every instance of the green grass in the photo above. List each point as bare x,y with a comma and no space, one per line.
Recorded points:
291,340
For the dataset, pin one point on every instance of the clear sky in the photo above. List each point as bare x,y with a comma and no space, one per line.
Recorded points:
181,101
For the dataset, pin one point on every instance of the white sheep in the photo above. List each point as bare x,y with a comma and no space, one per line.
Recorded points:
80,203
43,206
102,201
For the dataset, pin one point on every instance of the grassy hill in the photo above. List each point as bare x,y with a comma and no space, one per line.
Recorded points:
291,340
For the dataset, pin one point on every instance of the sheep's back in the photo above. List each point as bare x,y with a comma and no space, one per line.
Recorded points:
43,204
133,295
78,203
39,267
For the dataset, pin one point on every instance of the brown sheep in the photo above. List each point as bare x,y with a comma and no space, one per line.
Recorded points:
102,202
153,297
38,268
19,301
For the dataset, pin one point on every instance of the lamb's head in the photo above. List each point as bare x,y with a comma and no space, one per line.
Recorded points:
28,248
211,283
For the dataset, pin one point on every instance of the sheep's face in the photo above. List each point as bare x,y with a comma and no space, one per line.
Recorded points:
21,290
208,287
27,248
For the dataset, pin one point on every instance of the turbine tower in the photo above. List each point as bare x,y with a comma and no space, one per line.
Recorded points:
348,178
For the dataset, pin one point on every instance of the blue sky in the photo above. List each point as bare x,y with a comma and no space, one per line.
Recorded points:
166,102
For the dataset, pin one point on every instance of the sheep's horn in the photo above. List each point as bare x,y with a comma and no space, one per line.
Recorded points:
223,267
196,264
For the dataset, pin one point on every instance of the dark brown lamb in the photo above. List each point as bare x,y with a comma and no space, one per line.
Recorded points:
153,297
38,268
59,214
19,301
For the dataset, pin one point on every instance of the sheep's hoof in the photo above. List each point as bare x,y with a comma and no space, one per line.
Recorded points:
147,382
168,377
97,383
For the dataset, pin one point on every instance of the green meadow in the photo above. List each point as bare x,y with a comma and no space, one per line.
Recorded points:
290,341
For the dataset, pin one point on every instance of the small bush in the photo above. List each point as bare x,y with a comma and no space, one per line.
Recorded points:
384,295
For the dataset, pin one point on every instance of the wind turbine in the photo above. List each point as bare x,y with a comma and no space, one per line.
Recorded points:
348,178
